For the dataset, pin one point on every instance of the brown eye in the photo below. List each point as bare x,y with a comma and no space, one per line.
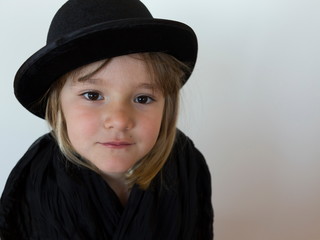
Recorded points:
93,96
143,99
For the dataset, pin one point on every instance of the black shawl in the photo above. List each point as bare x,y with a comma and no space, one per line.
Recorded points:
46,197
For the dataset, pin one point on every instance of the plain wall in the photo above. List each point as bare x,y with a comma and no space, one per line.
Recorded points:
251,106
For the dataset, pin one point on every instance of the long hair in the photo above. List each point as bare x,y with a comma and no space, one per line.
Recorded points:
168,74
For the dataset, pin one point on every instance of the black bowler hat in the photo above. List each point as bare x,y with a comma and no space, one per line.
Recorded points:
85,31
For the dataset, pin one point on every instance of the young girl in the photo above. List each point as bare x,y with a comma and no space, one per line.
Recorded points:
114,165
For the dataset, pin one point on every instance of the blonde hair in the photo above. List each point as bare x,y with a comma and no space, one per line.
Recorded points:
168,74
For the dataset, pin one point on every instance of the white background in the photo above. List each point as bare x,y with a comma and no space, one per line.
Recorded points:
251,106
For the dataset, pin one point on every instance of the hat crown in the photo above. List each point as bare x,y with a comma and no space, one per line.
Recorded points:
78,14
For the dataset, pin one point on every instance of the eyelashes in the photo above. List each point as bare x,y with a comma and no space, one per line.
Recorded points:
92,96
144,99
96,96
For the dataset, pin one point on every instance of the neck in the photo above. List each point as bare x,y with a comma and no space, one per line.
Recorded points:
117,182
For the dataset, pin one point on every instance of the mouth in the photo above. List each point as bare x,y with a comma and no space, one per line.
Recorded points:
117,144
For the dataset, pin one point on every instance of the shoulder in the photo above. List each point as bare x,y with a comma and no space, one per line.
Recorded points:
13,196
22,167
21,170
187,153
186,164
194,187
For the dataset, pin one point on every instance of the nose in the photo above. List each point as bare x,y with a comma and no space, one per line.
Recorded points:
119,118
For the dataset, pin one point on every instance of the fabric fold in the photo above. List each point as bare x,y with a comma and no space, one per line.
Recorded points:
46,197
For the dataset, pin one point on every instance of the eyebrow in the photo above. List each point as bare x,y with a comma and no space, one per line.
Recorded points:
148,86
89,80
99,81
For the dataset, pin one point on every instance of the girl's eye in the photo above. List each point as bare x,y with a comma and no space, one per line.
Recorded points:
92,96
143,99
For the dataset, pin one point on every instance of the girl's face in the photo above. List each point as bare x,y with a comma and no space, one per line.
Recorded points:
113,118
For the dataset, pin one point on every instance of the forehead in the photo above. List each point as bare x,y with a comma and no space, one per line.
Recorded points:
132,66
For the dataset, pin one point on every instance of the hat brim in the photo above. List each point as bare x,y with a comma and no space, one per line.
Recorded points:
98,42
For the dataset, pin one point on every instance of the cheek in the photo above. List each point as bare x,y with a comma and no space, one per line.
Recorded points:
151,127
80,125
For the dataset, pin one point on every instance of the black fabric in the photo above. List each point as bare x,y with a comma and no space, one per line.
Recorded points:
46,197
